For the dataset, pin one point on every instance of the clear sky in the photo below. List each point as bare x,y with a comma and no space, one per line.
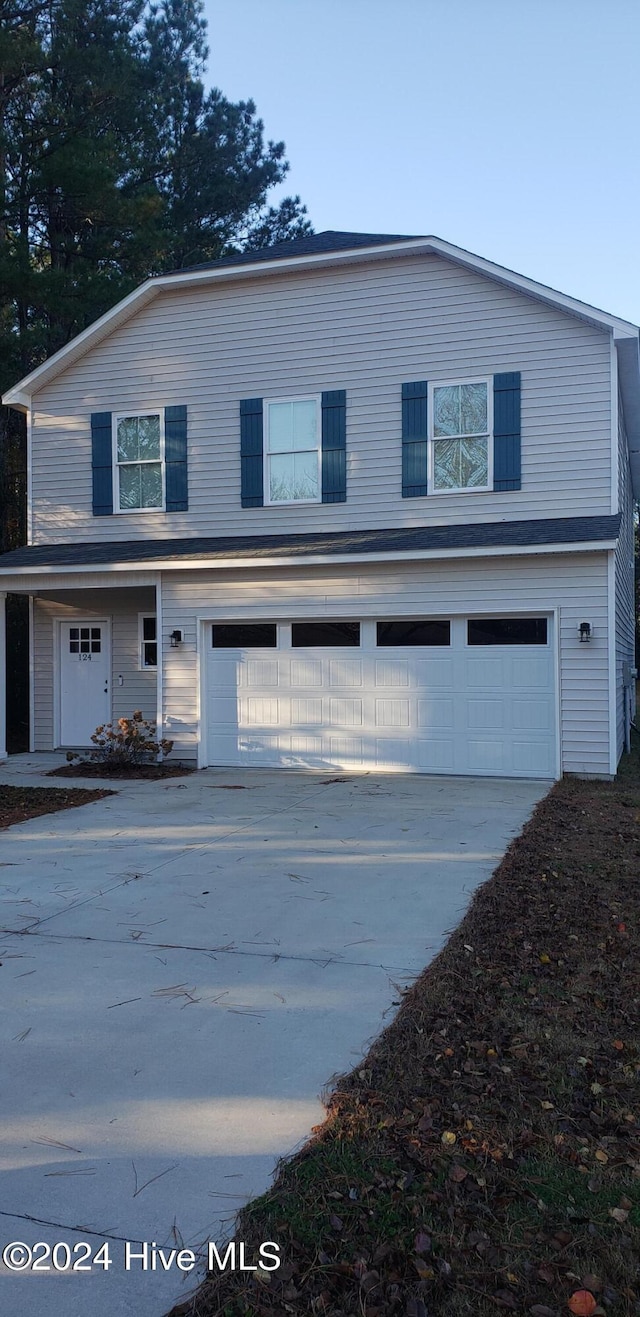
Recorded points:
509,127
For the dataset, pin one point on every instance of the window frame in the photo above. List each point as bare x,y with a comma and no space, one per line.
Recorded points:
432,438
328,621
267,403
478,618
130,415
244,622
142,617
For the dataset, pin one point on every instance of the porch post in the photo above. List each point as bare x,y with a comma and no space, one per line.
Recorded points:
160,664
3,675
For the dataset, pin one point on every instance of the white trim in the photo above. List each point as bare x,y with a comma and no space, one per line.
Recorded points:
30,475
58,623
267,403
115,464
313,560
160,667
432,439
142,666
615,456
32,676
200,704
21,393
557,690
611,659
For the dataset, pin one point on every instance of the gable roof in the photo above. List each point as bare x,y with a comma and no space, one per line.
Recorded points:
336,248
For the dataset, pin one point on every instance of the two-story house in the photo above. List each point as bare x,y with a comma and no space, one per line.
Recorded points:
355,501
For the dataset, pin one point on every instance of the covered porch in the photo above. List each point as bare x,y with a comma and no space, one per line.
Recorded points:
95,653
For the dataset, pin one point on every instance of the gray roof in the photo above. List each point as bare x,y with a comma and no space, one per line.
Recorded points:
331,240
487,534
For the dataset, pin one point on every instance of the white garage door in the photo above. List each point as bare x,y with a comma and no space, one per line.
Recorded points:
410,695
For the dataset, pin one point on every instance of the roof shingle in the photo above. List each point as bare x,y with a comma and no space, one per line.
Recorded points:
331,240
486,534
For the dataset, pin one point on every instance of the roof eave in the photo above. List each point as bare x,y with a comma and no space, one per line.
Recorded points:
45,573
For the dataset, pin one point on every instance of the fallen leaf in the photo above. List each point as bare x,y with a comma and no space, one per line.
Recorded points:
547,1106
546,1273
545,959
416,1308
422,1242
448,1138
618,1214
424,1272
505,1299
601,1155
582,1303
592,1282
618,1044
458,1174
335,1222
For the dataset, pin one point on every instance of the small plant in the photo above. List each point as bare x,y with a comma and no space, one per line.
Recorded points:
127,742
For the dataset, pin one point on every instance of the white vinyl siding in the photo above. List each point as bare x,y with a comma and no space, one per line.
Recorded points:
576,584
367,329
624,583
122,607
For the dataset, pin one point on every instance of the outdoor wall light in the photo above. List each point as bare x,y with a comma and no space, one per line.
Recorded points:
585,632
176,638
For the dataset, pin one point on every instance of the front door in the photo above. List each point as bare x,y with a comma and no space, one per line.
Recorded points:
85,698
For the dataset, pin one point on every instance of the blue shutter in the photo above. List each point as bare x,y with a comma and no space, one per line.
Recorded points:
102,463
251,462
175,456
334,446
506,431
414,439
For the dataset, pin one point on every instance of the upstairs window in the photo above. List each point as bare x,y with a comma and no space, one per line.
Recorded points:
460,444
292,451
139,445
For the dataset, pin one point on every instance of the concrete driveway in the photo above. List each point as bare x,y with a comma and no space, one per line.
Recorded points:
184,968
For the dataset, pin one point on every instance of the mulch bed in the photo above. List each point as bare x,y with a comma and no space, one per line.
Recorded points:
151,771
17,804
485,1156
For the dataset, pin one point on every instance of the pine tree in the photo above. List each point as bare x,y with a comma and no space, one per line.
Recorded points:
115,164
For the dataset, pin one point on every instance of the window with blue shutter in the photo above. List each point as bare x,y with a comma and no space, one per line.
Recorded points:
251,453
334,446
415,439
175,456
506,431
102,463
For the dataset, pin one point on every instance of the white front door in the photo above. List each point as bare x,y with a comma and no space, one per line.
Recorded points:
85,677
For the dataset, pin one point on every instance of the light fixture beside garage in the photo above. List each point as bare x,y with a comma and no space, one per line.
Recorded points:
585,632
176,638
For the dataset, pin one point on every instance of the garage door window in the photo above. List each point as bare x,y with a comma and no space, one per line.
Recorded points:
244,635
328,634
415,631
507,631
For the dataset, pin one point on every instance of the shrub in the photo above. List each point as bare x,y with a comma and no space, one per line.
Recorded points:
127,741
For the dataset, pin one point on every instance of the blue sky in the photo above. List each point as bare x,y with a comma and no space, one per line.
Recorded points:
509,127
